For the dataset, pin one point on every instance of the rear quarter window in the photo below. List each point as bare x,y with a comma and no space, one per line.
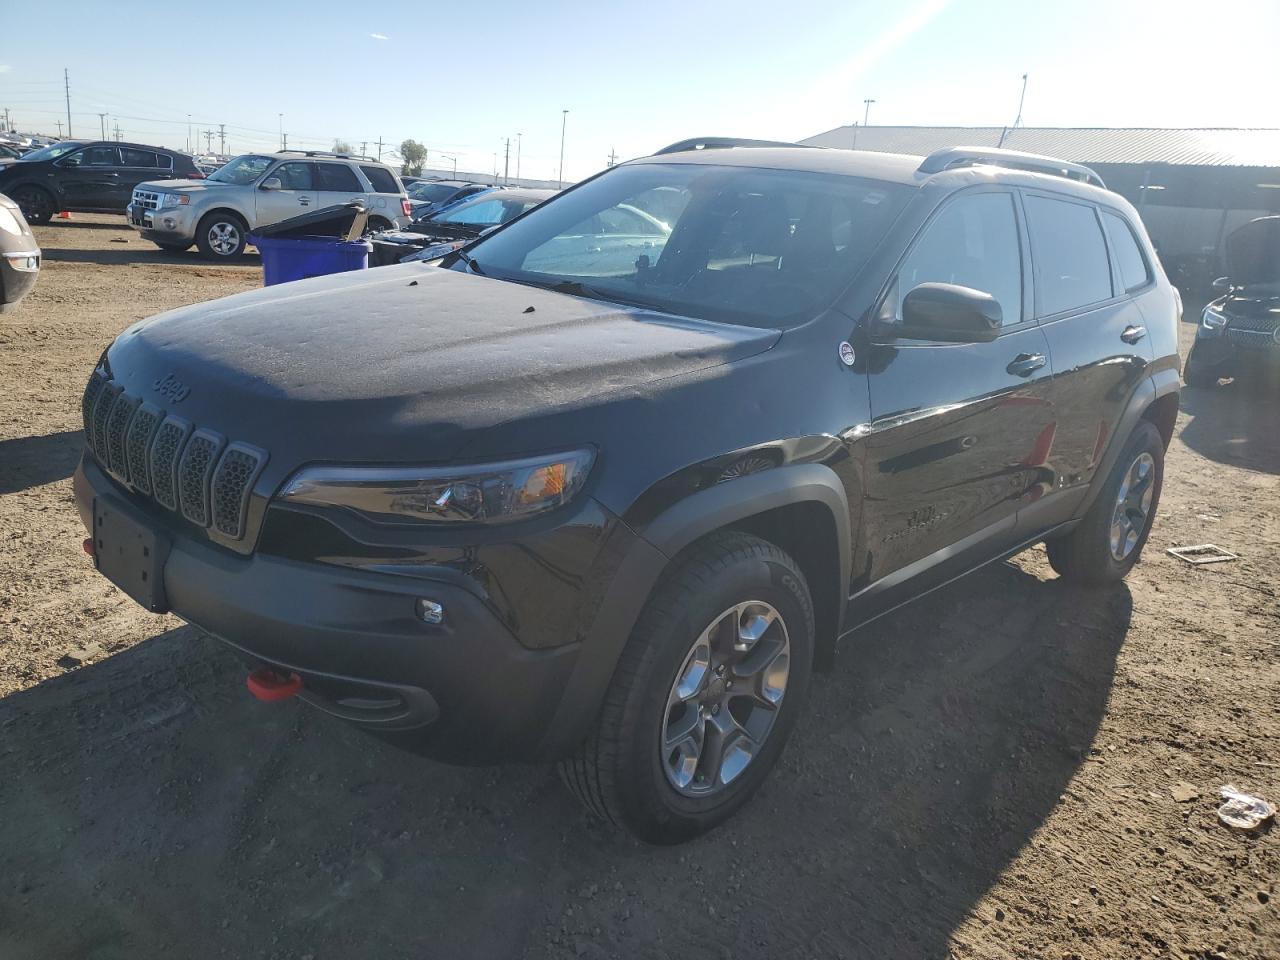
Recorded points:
382,179
1135,272
338,177
1072,268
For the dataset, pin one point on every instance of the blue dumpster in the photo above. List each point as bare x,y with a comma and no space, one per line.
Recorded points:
296,258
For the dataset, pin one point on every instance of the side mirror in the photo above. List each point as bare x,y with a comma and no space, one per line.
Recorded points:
271,183
948,311
1223,285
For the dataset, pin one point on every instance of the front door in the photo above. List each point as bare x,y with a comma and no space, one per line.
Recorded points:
296,195
959,431
90,179
1096,331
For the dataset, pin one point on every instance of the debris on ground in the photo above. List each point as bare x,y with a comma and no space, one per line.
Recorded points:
81,655
1184,792
1242,811
1202,553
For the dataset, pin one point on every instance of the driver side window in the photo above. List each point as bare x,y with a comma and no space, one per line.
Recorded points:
98,157
293,176
973,242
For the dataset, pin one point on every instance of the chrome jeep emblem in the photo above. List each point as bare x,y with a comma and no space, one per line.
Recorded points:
171,388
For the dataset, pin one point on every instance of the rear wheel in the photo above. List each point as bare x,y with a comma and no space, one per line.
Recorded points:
36,204
1109,540
377,224
222,236
705,693
1197,375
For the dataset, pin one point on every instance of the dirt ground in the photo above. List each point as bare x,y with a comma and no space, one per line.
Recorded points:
989,773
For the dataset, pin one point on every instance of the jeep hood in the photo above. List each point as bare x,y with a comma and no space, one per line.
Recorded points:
404,363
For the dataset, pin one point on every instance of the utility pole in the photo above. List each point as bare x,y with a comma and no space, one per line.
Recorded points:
102,122
379,149
188,133
518,136
285,142
364,148
59,123
117,131
7,124
613,156
564,120
66,80
208,141
282,140
866,113
506,164
222,139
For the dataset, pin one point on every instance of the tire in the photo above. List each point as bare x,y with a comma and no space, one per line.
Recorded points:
36,203
623,773
172,247
1090,554
375,224
1195,375
222,236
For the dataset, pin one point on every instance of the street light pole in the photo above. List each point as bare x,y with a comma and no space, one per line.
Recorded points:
281,116
866,114
564,120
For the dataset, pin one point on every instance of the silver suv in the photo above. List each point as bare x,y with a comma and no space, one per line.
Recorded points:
254,190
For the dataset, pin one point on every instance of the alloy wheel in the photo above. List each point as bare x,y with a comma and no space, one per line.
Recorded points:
725,699
1133,506
224,238
34,204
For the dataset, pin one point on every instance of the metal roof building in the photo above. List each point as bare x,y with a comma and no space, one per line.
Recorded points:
1192,186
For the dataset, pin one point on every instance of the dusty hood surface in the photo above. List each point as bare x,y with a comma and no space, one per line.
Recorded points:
401,363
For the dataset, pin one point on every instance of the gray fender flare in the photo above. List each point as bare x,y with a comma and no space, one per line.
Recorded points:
655,545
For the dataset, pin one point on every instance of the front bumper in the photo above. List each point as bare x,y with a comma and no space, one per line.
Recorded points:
167,224
1234,350
464,691
17,281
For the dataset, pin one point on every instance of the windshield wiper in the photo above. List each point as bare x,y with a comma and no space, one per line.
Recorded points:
470,261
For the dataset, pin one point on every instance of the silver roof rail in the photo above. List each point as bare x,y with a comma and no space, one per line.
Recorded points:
721,143
952,157
330,154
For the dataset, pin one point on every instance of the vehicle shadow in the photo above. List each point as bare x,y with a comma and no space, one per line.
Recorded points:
34,461
1234,423
137,251
148,797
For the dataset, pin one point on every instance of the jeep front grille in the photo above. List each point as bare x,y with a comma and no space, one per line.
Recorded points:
1253,331
184,468
147,199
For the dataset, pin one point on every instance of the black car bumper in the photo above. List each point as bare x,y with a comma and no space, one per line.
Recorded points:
1237,351
464,690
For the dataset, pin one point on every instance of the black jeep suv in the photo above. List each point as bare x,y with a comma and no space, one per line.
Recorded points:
88,175
596,495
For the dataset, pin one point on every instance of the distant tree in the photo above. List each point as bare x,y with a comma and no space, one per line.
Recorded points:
414,155
341,146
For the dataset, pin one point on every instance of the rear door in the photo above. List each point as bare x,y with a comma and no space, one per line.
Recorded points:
959,431
1095,330
297,193
139,166
337,183
90,179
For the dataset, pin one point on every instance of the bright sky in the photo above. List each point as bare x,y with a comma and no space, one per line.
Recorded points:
633,76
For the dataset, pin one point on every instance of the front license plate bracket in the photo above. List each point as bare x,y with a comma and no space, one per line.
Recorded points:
130,555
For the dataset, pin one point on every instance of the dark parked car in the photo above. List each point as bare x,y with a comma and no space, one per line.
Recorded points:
438,234
430,196
19,255
81,175
521,506
1239,332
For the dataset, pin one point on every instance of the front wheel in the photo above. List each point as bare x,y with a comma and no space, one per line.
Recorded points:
222,236
1110,537
37,205
704,695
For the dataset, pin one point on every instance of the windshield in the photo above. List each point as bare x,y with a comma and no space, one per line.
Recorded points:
53,151
242,170
738,244
432,192
486,211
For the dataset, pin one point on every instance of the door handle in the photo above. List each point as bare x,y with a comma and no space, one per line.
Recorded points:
1025,364
1133,333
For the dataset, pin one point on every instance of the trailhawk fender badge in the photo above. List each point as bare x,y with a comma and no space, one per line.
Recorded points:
847,355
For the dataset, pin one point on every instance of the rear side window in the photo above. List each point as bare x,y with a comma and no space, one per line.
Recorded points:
337,176
382,179
1134,272
138,158
973,243
1072,269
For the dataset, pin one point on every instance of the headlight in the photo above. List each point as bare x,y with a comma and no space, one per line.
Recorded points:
176,199
483,493
1213,319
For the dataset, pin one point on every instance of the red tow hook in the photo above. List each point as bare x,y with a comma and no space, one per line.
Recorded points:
88,545
271,686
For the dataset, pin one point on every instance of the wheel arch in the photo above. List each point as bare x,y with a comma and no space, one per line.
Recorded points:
802,508
224,209
1154,399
